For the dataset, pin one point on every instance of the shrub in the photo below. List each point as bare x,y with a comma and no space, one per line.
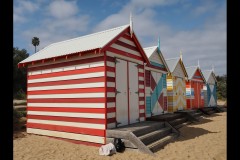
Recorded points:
20,95
16,118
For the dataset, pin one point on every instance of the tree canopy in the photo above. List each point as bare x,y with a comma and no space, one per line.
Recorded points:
35,42
19,74
222,87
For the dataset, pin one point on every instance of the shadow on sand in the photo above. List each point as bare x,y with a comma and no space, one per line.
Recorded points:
202,121
214,115
191,133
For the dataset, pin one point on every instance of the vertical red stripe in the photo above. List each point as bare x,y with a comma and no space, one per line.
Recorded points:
105,80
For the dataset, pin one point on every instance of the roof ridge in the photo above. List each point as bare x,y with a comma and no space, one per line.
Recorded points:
87,35
92,34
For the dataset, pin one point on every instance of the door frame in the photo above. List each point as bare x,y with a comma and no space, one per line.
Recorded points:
127,89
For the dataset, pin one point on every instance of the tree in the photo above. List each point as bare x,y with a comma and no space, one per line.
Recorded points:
35,42
19,74
222,87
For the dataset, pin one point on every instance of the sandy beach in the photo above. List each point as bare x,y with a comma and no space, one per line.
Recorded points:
204,140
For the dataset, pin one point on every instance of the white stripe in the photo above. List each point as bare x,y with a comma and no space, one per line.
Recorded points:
111,54
35,72
67,114
140,78
71,124
141,103
126,41
110,84
141,86
110,74
68,68
111,115
76,95
69,86
75,136
47,71
140,70
142,119
74,105
141,94
125,49
110,104
148,94
59,78
142,111
110,94
97,64
111,125
67,60
110,64
57,69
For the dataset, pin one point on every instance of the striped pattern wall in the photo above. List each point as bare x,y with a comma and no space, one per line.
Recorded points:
197,76
156,93
111,103
141,93
176,91
125,48
170,93
189,95
211,95
196,98
67,100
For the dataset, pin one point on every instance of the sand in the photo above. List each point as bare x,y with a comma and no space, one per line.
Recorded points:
202,140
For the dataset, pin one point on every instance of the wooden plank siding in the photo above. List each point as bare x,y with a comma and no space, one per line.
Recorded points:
176,91
194,87
66,100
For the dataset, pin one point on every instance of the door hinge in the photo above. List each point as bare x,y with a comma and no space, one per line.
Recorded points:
116,92
116,61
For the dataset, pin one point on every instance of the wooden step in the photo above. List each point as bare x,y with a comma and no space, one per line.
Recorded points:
182,124
127,143
154,136
211,112
178,121
149,129
161,142
197,114
207,109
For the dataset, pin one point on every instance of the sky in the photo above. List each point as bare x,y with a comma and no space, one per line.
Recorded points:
195,27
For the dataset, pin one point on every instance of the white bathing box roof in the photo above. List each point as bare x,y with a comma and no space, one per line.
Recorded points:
79,44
